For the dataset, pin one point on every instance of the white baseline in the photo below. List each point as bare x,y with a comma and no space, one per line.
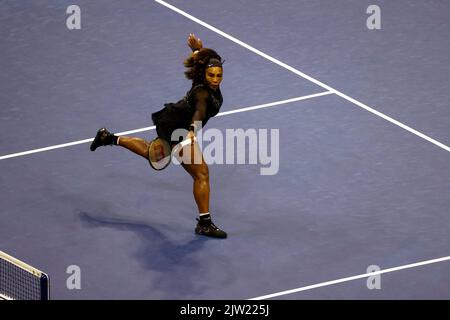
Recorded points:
371,274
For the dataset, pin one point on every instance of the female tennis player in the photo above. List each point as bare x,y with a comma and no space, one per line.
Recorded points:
202,101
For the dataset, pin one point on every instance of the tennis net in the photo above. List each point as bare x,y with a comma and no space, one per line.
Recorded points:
20,281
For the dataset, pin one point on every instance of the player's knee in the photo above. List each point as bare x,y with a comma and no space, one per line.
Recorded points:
201,172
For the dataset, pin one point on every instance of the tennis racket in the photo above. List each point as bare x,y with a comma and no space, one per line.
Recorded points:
160,153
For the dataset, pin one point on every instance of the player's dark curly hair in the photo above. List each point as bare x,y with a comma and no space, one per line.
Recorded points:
197,63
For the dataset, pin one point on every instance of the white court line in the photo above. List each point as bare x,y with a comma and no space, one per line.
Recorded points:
69,144
272,104
371,274
65,145
342,95
305,76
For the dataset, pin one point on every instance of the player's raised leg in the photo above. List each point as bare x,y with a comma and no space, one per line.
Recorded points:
136,145
105,138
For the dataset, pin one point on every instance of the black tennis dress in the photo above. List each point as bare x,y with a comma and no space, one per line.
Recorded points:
179,115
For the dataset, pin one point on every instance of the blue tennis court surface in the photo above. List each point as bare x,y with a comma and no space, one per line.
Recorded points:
353,188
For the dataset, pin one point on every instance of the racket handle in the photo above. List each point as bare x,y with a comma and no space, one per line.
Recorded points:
183,144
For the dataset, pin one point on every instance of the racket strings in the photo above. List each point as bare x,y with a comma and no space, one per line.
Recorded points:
160,152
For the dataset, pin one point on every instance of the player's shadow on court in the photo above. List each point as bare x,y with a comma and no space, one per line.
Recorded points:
172,260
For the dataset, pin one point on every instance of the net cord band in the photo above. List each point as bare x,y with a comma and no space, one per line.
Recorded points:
21,264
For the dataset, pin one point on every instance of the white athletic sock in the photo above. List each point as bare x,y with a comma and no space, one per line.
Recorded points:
205,217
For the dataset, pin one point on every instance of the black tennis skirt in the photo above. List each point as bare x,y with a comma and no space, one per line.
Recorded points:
170,118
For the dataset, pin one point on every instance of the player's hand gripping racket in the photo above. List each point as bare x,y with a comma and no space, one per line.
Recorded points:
160,153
